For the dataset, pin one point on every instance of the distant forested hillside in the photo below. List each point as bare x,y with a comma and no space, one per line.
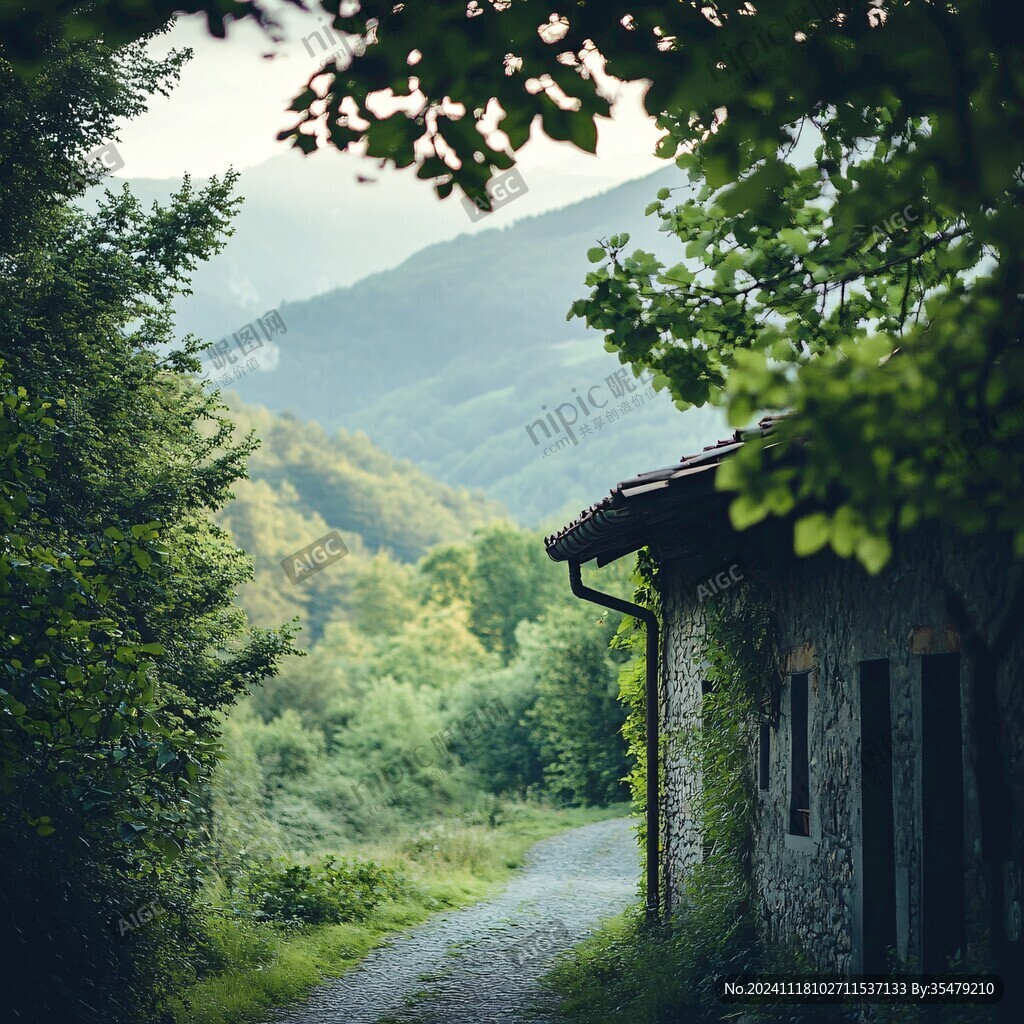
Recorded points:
447,359
439,612
305,482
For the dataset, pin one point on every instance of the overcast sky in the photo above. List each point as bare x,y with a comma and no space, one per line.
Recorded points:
232,101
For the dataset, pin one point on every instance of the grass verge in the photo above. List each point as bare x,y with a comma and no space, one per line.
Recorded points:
449,865
630,972
633,973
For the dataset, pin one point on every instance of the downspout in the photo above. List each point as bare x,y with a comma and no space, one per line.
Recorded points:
651,621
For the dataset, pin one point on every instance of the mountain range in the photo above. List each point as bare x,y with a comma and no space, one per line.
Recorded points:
459,358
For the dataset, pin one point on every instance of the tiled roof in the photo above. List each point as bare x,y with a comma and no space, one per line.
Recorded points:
626,519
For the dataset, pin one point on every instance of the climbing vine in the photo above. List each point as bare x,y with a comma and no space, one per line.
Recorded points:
742,673
742,670
631,637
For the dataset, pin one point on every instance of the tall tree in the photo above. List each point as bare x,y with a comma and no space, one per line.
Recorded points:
577,716
512,581
121,640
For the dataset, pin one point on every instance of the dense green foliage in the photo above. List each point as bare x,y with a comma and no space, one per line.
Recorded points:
326,892
433,689
349,482
134,867
122,643
302,483
632,973
631,638
573,663
741,658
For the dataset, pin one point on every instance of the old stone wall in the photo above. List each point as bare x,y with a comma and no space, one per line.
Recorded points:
683,628
831,616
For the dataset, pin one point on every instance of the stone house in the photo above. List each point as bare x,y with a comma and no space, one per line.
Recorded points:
890,813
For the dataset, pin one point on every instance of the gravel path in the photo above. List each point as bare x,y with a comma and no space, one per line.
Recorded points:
481,965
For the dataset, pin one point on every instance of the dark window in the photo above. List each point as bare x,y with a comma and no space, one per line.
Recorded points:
764,749
942,806
800,791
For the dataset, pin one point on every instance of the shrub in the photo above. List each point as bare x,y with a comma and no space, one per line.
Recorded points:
326,892
286,748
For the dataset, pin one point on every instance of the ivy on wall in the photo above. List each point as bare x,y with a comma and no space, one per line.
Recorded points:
742,670
740,659
631,637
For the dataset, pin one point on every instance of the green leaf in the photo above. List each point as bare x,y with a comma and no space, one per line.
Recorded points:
169,847
796,240
811,533
679,274
745,511
128,830
595,254
81,717
874,553
845,531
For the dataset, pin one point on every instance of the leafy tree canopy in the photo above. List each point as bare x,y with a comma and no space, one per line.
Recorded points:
795,282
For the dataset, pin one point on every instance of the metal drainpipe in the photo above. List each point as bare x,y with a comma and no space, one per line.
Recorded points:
651,621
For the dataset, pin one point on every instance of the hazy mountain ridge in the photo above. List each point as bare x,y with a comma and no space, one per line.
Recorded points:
446,359
308,225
